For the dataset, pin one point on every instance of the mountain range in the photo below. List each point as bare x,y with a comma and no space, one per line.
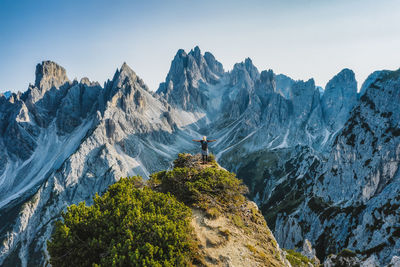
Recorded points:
322,165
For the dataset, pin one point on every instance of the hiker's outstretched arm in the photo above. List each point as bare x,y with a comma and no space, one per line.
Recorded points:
195,140
211,140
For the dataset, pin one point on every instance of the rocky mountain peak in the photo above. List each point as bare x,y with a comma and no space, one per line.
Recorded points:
6,94
85,81
345,74
339,98
125,89
215,66
196,53
266,84
267,77
303,88
244,74
251,69
284,85
370,79
182,86
124,74
49,74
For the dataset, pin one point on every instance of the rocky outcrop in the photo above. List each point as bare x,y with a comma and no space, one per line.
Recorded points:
284,85
6,94
339,98
354,196
48,75
188,77
91,138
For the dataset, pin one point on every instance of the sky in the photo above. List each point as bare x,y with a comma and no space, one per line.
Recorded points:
300,38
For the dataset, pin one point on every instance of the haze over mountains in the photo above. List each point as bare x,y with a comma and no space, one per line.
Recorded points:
321,166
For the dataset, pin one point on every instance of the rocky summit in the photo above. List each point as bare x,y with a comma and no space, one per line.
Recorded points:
322,165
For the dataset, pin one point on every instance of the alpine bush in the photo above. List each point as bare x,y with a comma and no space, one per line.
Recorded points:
127,226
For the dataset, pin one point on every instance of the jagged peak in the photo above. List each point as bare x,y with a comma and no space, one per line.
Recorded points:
181,53
345,75
125,67
300,87
49,74
342,85
196,52
371,79
214,65
247,65
265,84
189,70
248,61
346,72
6,94
123,74
267,75
126,70
85,80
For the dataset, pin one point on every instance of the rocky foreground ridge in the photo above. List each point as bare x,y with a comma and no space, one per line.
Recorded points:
206,221
228,228
320,166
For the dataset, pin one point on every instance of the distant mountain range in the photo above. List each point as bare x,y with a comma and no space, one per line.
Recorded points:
321,164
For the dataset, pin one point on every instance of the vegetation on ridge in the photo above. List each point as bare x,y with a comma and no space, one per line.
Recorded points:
151,223
127,226
297,259
204,187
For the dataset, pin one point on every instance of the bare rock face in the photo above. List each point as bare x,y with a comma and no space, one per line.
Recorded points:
91,137
185,85
354,194
284,85
80,101
309,252
49,74
339,98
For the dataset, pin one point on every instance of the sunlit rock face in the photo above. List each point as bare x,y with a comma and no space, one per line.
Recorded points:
187,80
353,195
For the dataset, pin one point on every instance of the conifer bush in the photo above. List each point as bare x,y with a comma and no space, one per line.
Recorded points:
127,226
201,188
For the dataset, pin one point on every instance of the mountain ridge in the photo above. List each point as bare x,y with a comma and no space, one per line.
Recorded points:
275,132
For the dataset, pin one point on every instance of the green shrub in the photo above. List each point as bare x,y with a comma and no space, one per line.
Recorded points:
297,259
127,226
211,158
347,253
186,160
213,213
237,220
201,188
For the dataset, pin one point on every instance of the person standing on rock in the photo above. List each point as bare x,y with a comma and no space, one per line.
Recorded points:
204,148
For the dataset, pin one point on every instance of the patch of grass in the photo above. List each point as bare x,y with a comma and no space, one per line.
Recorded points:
213,213
252,249
297,259
192,161
237,220
258,253
347,253
205,188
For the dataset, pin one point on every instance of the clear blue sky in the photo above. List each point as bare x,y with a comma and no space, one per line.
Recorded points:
300,38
